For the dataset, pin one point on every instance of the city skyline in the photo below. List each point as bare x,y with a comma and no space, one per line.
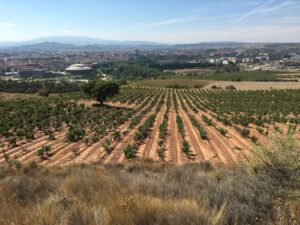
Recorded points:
167,22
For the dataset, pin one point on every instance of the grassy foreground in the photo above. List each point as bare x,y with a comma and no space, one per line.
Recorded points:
146,192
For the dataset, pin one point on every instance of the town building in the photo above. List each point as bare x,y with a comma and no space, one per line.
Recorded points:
78,69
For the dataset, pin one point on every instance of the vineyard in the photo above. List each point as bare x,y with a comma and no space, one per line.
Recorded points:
171,125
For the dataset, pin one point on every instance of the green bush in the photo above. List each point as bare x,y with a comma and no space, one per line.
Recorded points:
161,153
12,141
230,87
186,147
130,151
44,92
75,133
107,146
117,136
44,152
223,131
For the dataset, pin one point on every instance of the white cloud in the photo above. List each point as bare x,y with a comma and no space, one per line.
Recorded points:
188,19
7,24
267,7
168,22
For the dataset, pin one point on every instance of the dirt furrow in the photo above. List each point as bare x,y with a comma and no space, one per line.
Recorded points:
148,148
235,139
203,153
93,153
174,140
227,142
222,147
117,155
232,134
31,150
35,143
89,154
65,154
55,149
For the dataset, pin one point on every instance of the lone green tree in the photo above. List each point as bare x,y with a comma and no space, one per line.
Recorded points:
100,90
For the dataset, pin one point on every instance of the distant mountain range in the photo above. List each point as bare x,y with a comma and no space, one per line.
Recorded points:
79,43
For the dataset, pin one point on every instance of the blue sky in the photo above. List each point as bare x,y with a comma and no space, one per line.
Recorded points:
172,21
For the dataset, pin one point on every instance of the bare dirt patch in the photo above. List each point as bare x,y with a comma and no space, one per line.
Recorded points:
255,85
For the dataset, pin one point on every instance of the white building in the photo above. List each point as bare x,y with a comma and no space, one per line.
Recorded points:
225,62
232,59
78,69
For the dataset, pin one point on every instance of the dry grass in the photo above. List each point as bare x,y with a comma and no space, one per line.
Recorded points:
255,85
8,96
139,193
192,71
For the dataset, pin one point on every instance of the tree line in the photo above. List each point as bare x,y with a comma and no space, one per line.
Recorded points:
33,87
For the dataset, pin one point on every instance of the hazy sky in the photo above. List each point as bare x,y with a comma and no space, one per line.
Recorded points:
179,21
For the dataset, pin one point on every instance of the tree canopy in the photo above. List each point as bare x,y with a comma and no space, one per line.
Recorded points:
100,90
33,87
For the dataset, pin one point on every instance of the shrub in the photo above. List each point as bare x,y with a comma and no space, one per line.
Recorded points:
117,135
207,120
160,142
230,87
45,152
6,157
12,141
215,87
86,141
95,138
260,130
51,137
130,151
161,153
223,131
75,151
75,133
17,164
203,133
44,92
245,133
176,86
254,139
186,147
180,125
198,86
281,152
144,129
107,146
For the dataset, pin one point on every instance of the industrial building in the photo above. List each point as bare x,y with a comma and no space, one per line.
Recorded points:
78,69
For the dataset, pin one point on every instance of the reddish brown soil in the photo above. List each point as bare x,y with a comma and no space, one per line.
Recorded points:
229,149
174,142
117,156
148,149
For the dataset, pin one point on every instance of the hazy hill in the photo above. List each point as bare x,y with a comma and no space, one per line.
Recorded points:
76,40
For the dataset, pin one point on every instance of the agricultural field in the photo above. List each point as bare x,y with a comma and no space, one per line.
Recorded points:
170,83
265,76
170,125
258,85
192,71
